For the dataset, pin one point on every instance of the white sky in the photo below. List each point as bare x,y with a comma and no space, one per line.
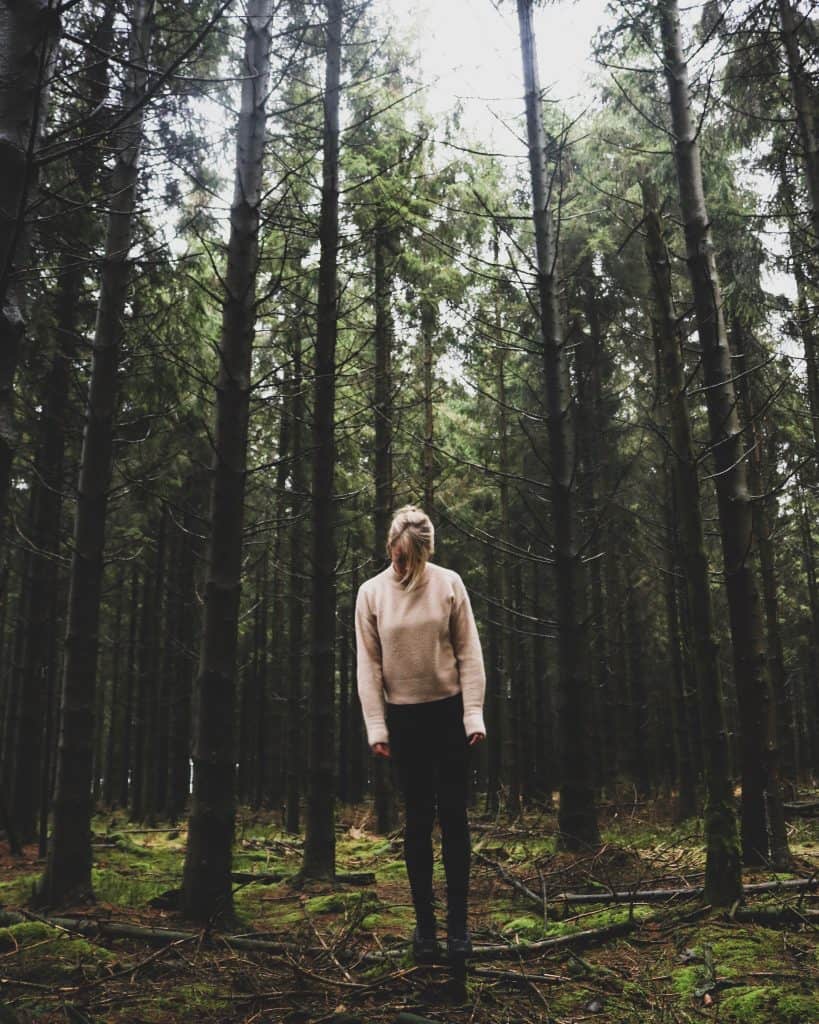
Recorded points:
470,52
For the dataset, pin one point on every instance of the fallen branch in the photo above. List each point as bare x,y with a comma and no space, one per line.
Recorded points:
776,915
526,949
93,928
643,895
272,877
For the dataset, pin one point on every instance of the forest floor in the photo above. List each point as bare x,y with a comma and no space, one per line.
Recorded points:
339,953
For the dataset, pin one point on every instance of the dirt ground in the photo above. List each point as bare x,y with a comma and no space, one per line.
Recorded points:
339,953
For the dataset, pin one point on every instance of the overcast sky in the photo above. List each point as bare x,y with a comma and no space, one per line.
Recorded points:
470,51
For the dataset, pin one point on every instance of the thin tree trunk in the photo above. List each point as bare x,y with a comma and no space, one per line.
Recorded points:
686,774
150,672
68,868
428,322
295,760
274,784
497,727
774,697
113,737
28,34
141,691
812,677
179,709
733,500
320,839
263,685
125,774
805,106
355,726
596,455
577,817
206,883
543,724
385,809
723,875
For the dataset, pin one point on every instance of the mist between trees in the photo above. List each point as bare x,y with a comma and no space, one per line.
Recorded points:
566,354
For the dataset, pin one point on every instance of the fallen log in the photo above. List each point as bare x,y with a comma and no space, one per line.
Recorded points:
91,928
643,895
516,951
801,808
776,915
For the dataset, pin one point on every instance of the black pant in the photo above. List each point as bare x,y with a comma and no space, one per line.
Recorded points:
431,755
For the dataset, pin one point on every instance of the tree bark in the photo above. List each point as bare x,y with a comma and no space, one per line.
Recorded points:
776,685
577,817
295,761
429,318
805,112
385,810
723,875
320,841
733,499
206,884
28,34
68,868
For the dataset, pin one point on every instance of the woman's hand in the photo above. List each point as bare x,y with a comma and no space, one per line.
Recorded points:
381,749
476,737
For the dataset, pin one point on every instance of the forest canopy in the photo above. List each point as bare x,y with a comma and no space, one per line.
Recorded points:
264,282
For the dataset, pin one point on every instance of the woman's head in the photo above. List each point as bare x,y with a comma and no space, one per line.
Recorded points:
410,542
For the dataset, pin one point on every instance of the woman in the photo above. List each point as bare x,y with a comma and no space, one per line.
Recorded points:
421,682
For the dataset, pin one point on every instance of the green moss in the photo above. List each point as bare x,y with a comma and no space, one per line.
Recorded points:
19,889
685,980
132,888
392,871
37,951
766,1004
24,934
530,928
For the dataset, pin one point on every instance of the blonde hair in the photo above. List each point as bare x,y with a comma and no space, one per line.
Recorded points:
412,535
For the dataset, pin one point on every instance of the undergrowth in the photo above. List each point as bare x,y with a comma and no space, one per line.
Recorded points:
668,964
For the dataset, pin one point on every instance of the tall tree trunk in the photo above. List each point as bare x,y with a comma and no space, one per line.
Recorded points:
774,696
508,681
68,868
807,324
206,885
542,698
320,839
577,817
385,811
113,738
595,458
805,106
28,33
295,761
723,874
733,500
125,773
686,773
496,694
263,685
429,319
274,788
812,679
141,691
355,724
179,700
150,676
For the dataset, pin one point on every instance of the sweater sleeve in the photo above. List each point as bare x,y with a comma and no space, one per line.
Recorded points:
369,673
467,646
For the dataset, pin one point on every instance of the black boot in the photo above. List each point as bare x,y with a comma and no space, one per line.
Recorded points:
458,939
425,948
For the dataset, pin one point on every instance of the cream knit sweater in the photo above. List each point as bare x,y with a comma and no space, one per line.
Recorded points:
416,646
